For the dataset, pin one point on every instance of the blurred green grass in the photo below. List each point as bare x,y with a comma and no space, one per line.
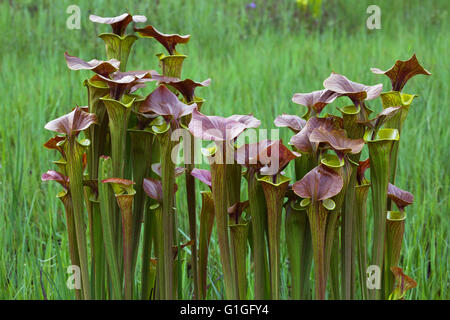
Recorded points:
257,59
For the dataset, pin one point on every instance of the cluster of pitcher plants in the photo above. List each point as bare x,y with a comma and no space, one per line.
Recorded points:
118,176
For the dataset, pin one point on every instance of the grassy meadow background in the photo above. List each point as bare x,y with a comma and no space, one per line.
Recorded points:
257,59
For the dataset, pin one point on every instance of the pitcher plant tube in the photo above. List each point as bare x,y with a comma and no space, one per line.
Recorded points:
337,140
166,104
395,228
317,188
239,227
399,74
171,64
223,132
380,148
265,161
70,125
118,44
361,192
206,225
96,89
66,199
124,193
187,89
